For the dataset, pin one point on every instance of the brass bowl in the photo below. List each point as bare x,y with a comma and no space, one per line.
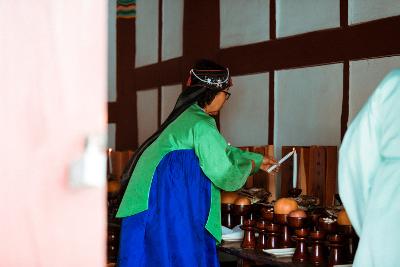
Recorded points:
241,209
249,222
272,227
303,232
335,238
296,222
281,218
262,225
226,207
267,214
317,235
329,227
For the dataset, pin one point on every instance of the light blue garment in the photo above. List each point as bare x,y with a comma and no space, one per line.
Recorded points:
369,175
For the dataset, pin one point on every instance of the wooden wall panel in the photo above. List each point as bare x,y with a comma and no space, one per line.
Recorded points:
320,167
331,175
250,180
302,174
316,181
286,170
261,179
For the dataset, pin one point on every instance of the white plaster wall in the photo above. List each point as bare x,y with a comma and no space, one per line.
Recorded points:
365,75
296,17
169,95
308,106
112,52
146,32
147,113
366,10
243,22
172,26
111,133
244,118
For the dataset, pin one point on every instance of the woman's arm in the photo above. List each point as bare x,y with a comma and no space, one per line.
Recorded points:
226,166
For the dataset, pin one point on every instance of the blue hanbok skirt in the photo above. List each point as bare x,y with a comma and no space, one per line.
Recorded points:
172,231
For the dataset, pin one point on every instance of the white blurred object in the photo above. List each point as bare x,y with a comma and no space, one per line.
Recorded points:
234,234
280,252
90,170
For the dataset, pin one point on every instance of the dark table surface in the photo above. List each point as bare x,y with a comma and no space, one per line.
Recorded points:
258,257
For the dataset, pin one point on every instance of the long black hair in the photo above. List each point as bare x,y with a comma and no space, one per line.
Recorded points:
199,90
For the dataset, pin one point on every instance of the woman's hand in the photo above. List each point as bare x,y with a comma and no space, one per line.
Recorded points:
267,163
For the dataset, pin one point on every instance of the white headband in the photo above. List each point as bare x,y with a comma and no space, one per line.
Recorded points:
209,81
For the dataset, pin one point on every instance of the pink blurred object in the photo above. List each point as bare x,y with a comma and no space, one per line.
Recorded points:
53,95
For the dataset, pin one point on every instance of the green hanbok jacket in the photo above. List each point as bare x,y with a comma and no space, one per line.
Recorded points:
227,167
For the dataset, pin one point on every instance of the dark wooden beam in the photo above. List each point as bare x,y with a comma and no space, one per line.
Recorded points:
272,19
271,107
164,73
367,40
125,110
201,30
271,85
345,102
112,112
344,13
344,24
160,36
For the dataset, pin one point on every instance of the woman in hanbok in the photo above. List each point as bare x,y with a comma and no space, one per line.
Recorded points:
170,208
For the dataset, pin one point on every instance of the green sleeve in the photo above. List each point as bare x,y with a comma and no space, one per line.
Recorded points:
238,153
226,169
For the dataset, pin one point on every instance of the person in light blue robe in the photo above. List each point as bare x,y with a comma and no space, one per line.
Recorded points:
369,176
